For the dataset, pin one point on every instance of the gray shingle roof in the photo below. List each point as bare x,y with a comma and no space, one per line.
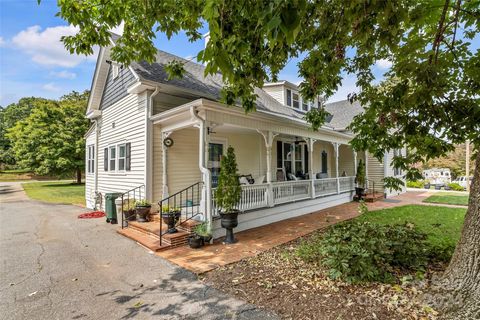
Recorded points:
343,113
210,87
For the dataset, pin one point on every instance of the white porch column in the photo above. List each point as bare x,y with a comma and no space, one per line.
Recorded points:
355,163
268,136
310,143
366,167
165,135
335,147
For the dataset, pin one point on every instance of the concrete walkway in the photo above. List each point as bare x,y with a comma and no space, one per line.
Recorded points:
55,266
253,241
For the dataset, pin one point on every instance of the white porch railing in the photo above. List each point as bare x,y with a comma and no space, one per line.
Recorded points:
288,191
325,187
257,196
347,184
253,196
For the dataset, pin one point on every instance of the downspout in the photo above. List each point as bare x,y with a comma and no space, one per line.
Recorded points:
206,190
149,146
95,174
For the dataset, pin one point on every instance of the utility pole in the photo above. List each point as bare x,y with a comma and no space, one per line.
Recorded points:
467,164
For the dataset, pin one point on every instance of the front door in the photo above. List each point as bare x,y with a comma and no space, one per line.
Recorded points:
215,153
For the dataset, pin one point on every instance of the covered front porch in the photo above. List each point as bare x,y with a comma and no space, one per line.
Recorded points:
286,170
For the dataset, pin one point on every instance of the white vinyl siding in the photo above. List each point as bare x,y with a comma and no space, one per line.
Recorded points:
128,114
277,92
375,171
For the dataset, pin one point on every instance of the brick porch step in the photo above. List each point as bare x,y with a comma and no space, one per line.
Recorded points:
147,234
185,226
372,198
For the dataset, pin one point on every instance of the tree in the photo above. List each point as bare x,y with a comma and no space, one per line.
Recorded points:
228,191
9,116
428,100
50,140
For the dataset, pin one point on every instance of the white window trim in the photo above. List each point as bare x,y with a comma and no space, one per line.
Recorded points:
298,100
124,157
116,146
293,159
91,159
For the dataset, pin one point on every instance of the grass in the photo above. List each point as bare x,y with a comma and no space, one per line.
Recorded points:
441,224
448,198
15,175
64,192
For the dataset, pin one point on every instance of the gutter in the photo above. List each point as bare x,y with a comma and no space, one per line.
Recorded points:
149,146
201,163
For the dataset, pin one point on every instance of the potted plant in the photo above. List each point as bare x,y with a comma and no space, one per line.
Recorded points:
202,231
142,209
170,216
195,241
129,213
427,184
228,194
360,180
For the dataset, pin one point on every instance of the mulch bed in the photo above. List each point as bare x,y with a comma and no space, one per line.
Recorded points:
278,280
92,215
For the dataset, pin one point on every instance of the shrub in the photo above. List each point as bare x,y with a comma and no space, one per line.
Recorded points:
365,251
455,186
416,184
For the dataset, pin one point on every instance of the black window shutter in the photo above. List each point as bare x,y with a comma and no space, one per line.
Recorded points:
105,159
128,156
305,154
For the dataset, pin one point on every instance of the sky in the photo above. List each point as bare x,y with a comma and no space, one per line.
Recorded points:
33,61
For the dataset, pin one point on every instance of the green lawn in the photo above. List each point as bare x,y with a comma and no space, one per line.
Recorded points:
448,198
441,224
15,175
56,192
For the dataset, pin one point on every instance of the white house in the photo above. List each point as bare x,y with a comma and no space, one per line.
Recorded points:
169,135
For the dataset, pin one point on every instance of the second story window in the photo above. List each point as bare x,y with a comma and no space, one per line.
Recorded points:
296,101
289,97
304,105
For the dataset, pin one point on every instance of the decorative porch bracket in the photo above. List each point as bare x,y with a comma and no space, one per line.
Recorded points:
165,135
269,136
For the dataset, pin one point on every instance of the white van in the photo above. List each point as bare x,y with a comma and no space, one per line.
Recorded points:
463,181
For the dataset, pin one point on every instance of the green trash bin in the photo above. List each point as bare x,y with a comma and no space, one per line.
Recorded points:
110,208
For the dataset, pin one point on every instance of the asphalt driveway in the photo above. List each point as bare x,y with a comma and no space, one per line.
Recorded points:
55,266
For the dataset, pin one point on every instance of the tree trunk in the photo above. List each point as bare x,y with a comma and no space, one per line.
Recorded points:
79,176
456,294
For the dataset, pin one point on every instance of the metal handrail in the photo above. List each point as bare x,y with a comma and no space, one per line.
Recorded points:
186,198
126,196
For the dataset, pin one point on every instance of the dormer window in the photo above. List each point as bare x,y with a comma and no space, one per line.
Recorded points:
289,97
296,101
304,105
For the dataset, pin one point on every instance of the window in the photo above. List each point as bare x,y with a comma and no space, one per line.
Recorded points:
296,101
398,153
289,97
91,159
304,105
115,71
121,157
113,158
292,157
324,162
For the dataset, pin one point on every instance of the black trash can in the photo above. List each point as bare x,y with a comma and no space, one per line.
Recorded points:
110,208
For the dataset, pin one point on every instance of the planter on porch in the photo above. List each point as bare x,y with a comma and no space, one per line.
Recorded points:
229,221
142,209
228,194
195,241
170,216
